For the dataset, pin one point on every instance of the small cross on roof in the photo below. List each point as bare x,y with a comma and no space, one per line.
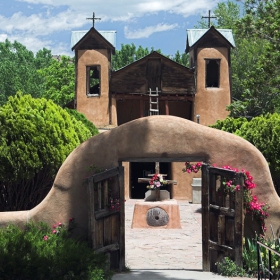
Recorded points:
93,18
209,18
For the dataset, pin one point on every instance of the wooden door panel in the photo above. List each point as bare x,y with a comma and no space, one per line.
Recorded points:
106,225
222,217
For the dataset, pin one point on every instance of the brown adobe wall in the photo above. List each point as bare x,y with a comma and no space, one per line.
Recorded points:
183,189
156,136
95,108
210,103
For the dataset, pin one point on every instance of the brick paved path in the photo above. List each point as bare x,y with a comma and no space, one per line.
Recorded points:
165,248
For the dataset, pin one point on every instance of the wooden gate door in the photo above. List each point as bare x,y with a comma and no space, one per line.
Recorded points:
106,215
222,217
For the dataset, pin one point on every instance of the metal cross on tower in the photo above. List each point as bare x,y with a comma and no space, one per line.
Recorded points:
93,18
209,18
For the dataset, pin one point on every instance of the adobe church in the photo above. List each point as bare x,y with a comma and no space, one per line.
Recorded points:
153,85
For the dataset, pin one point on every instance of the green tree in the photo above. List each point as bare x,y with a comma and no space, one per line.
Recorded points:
182,59
226,13
36,136
260,84
43,58
59,80
18,71
128,54
264,133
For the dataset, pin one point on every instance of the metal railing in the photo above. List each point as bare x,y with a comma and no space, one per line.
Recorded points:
263,269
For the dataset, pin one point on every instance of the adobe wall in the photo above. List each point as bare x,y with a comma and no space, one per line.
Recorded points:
95,108
156,136
210,103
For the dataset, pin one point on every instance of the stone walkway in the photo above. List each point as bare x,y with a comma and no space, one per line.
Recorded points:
166,249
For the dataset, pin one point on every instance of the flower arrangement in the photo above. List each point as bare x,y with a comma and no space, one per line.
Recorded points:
156,182
251,203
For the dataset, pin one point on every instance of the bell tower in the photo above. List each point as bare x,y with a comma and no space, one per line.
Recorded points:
209,54
93,53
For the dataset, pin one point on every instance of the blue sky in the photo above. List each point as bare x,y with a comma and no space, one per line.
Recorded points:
160,24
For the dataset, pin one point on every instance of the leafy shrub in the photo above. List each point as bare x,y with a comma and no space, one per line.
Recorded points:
227,267
39,252
250,260
36,136
81,117
264,133
250,255
230,124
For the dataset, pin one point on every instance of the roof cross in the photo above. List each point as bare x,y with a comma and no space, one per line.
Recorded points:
209,18
93,18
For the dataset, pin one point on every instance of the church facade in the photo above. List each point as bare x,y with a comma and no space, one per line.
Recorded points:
154,85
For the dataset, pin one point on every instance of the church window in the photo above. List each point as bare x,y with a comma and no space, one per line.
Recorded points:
212,75
93,80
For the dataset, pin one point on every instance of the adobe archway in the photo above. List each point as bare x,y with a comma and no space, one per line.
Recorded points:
154,137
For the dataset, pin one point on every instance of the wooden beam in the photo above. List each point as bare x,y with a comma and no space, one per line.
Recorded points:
109,248
218,247
223,210
166,107
141,96
145,180
105,174
164,159
104,213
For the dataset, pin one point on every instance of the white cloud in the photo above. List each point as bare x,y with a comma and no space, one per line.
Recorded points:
126,10
39,23
147,31
3,37
34,44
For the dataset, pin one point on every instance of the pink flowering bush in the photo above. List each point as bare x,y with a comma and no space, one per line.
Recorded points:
192,167
251,203
43,252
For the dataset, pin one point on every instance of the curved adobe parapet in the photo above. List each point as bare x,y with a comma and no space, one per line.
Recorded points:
156,136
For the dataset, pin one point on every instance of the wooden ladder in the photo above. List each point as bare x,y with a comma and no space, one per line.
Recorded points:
154,106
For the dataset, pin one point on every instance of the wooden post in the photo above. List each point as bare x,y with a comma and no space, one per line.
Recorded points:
91,222
157,190
205,218
122,219
239,220
166,107
141,108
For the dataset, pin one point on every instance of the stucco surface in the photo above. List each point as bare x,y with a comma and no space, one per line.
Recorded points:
210,103
155,136
95,108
